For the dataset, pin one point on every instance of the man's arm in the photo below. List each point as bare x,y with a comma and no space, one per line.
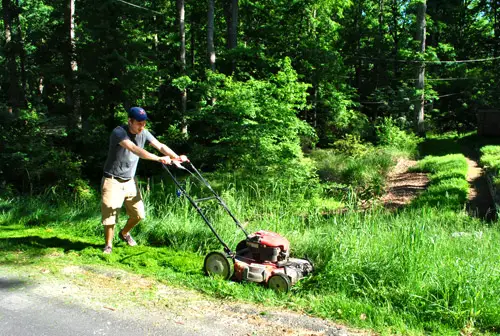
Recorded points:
142,153
162,148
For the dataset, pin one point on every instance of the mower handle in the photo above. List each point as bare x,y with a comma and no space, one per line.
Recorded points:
178,161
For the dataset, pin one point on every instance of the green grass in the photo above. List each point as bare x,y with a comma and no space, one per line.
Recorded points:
448,187
429,269
364,173
418,271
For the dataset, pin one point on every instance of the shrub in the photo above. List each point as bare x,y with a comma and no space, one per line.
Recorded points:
365,173
29,161
391,136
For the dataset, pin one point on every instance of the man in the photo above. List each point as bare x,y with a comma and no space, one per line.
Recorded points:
119,184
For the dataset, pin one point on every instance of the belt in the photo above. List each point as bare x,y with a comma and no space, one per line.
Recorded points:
116,178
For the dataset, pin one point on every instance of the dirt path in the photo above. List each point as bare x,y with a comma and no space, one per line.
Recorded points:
403,186
480,202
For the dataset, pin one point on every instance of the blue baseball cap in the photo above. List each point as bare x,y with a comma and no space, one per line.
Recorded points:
137,113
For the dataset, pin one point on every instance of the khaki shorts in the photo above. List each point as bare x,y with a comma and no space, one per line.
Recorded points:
114,194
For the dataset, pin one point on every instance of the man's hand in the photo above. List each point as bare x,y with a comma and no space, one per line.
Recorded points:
165,160
183,158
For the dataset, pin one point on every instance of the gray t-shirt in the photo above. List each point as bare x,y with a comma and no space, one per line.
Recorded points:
121,162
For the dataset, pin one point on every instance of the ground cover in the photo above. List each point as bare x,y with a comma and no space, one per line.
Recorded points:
417,270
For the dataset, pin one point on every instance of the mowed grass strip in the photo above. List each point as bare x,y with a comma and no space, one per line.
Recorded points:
448,187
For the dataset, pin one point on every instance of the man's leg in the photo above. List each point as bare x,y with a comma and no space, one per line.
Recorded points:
135,211
132,221
111,202
109,233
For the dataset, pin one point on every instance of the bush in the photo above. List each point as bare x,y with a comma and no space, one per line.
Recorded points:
31,163
389,135
252,129
365,173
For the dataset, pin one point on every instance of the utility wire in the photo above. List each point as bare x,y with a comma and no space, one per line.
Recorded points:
137,6
429,62
408,100
449,79
442,79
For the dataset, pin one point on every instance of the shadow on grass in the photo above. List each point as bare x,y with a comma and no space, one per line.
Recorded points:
454,144
35,242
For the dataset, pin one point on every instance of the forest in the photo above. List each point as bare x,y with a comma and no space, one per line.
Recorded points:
236,84
296,111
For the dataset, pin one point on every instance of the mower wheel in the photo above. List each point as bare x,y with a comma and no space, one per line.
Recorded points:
216,263
279,282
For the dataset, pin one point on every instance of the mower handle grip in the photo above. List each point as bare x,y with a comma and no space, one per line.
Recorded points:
178,161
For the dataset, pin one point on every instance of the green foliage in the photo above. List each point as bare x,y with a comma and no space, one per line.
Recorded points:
351,145
391,136
490,158
29,162
252,126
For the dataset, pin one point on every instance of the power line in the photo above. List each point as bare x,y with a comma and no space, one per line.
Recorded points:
449,79
137,6
429,62
408,100
443,79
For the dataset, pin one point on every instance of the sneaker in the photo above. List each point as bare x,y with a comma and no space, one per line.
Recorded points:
107,249
127,238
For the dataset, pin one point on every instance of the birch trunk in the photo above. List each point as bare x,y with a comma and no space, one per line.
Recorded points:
420,99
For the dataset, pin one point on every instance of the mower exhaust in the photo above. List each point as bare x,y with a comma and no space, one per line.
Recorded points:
263,257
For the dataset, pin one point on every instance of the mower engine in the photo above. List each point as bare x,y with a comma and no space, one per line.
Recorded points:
264,257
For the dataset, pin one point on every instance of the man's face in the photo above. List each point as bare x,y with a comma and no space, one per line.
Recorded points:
136,127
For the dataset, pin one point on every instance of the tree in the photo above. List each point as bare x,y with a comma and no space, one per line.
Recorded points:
182,33
231,10
420,103
14,91
210,34
72,100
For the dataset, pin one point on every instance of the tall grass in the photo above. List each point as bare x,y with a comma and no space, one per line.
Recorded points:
423,269
429,269
363,172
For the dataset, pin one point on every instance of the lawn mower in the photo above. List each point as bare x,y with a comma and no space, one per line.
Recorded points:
262,257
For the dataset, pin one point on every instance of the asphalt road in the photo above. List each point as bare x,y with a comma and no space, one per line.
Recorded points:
55,306
23,312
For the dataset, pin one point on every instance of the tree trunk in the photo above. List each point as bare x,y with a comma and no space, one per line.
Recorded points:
210,33
231,11
13,102
182,31
232,24
72,97
359,63
496,28
395,36
193,44
22,61
380,64
420,98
